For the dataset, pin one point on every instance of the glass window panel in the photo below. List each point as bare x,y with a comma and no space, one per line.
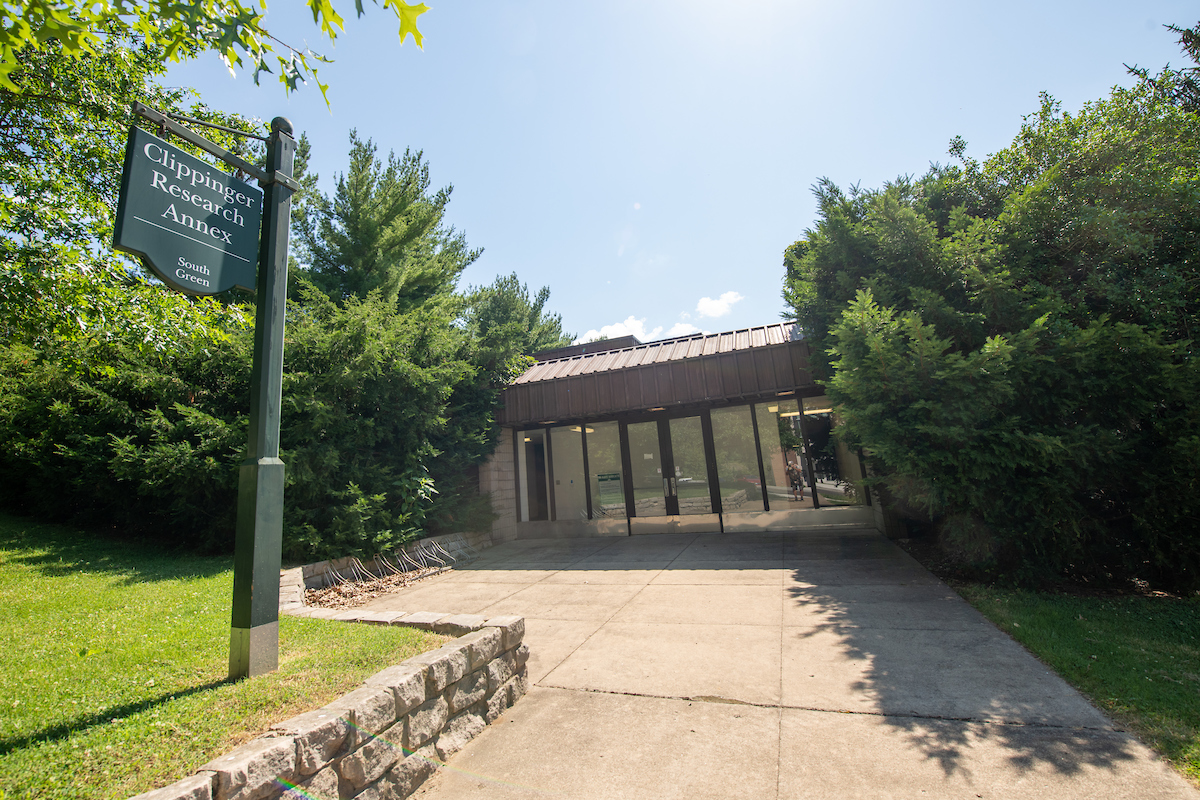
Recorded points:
850,472
570,497
604,466
779,437
835,466
646,465
819,428
691,470
737,459
532,466
816,405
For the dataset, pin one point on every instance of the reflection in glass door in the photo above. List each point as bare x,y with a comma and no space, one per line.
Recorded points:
689,467
650,488
604,463
837,471
737,460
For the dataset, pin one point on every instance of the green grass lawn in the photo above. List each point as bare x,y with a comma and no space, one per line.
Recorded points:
113,667
1137,658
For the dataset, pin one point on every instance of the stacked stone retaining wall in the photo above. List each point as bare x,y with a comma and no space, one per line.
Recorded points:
385,738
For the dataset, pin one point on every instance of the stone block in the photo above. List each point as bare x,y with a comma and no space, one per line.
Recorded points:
496,705
373,758
470,689
349,615
519,687
424,722
319,736
458,624
322,786
512,628
295,610
291,595
369,710
324,613
291,577
407,682
404,778
380,617
445,666
499,670
424,619
482,646
194,787
515,688
251,771
520,657
458,732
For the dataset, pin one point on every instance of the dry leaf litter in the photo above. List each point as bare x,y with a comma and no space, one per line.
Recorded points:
351,594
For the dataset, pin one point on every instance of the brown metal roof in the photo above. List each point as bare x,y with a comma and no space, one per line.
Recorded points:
587,347
703,368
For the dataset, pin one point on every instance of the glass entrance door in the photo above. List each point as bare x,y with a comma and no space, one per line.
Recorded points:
689,467
647,472
669,467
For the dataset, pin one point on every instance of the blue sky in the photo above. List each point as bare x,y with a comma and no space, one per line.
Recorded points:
650,161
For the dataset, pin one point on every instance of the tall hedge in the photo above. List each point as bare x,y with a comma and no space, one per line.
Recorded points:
1013,342
124,405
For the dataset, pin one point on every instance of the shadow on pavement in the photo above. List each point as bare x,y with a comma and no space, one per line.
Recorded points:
871,631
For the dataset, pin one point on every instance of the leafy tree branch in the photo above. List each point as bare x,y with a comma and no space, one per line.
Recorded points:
237,32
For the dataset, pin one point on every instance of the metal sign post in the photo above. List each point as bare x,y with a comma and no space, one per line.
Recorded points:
254,640
198,229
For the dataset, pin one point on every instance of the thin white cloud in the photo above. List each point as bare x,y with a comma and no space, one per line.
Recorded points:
681,329
630,327
637,327
707,307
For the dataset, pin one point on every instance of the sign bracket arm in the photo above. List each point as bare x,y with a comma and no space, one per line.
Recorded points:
264,177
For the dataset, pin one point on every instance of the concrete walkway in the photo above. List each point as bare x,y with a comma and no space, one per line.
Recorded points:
783,665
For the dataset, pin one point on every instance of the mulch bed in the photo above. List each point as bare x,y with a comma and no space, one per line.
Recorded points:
352,594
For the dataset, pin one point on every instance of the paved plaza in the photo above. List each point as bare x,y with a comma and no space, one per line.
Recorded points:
803,664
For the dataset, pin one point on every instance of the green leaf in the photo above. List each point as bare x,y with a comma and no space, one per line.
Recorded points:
408,19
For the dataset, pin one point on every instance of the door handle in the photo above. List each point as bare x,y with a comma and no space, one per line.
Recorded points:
666,487
674,489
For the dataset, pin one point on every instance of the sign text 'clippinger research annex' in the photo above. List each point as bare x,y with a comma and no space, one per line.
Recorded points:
196,227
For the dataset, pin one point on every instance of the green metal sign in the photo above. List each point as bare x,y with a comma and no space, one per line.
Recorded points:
199,230
196,227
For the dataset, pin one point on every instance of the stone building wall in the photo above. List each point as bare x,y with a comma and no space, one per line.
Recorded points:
497,478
